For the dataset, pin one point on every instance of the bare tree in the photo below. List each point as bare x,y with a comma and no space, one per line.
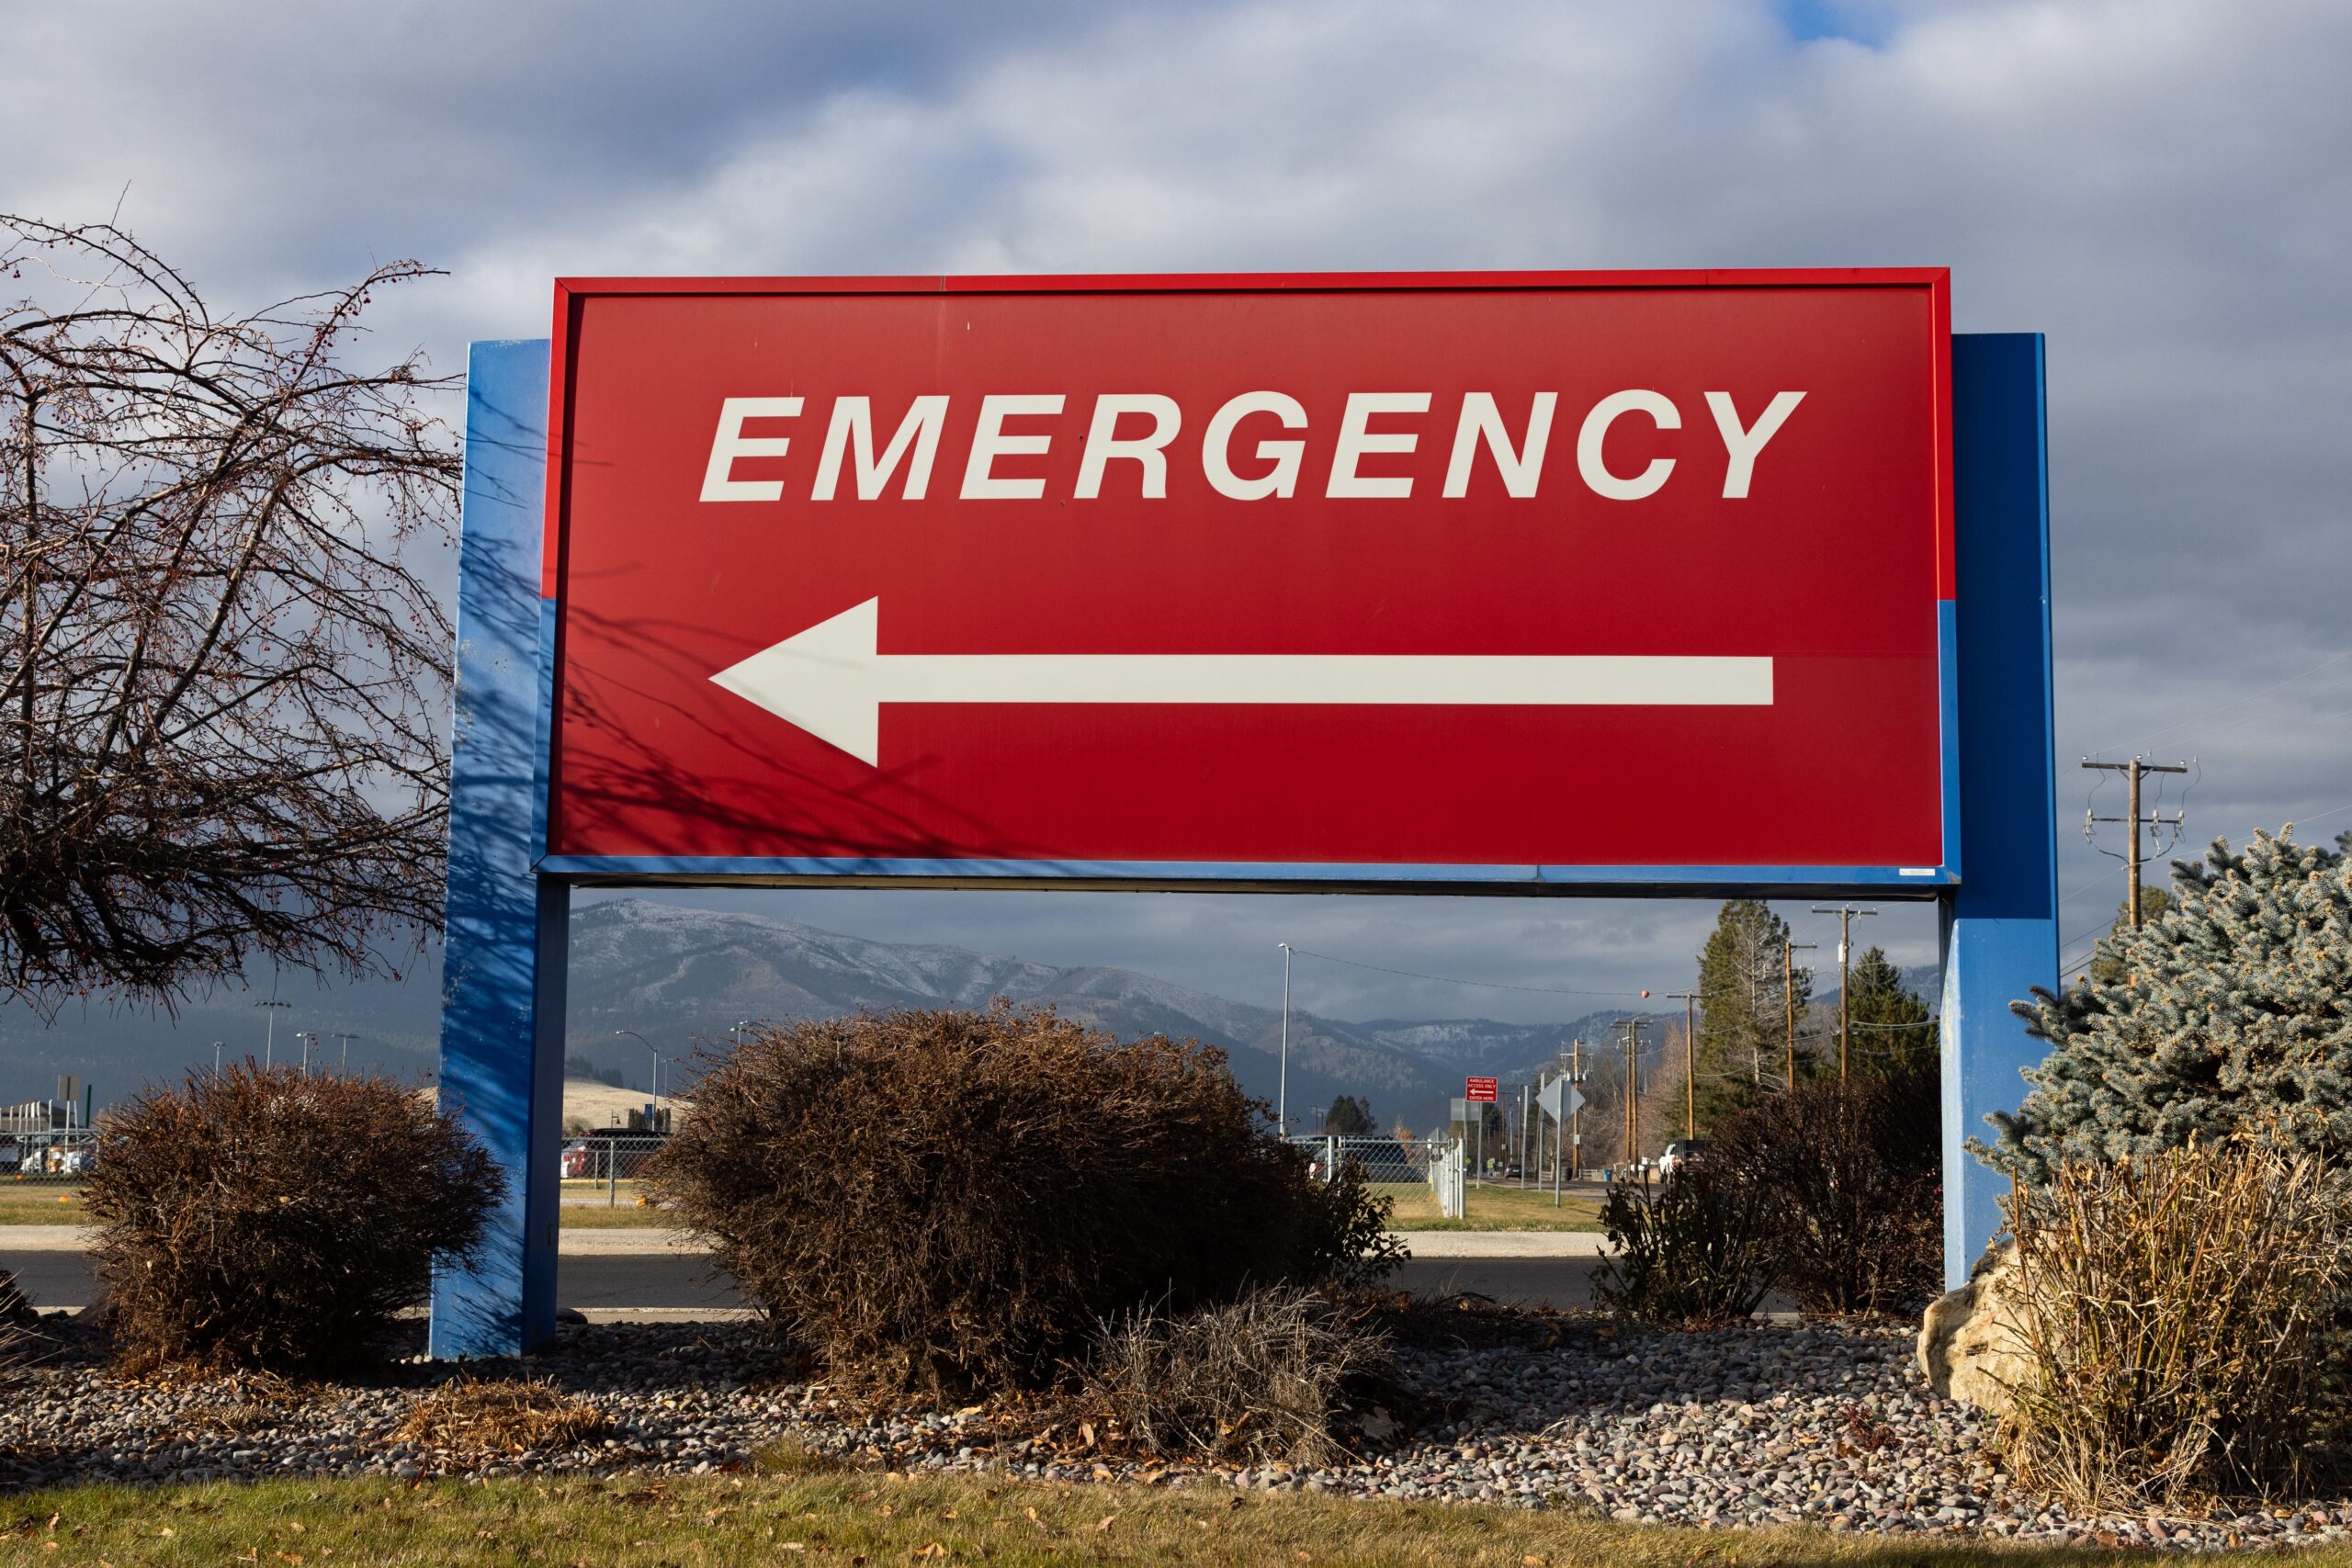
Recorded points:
224,680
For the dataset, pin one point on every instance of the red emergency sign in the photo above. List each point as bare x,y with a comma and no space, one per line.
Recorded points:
1171,579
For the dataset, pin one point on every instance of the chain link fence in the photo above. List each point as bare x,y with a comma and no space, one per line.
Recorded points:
63,1156
604,1166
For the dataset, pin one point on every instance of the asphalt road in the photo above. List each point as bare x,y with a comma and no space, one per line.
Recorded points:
683,1281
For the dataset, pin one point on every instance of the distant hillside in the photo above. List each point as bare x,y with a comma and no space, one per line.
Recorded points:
681,977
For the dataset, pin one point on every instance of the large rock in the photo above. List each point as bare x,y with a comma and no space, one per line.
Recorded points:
1972,1342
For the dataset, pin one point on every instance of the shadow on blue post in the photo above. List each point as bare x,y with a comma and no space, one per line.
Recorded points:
2000,930
502,1001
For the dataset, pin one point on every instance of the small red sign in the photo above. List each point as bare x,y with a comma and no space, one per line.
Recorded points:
1478,1091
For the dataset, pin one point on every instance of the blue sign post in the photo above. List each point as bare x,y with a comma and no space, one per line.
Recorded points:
2000,925
501,1035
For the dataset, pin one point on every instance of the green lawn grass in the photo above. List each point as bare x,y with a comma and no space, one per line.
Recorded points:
1487,1208
864,1517
41,1204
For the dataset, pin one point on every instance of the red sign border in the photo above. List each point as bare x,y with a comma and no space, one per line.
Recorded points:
569,293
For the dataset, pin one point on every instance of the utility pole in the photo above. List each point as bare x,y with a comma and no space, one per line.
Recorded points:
1282,1088
1633,1028
269,1042
2132,771
1689,1064
1845,913
1576,1117
1789,1000
1527,1159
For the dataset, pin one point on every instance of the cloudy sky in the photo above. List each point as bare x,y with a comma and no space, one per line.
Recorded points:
2163,187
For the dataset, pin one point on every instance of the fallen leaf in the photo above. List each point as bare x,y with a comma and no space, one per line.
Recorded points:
792,1546
1106,1522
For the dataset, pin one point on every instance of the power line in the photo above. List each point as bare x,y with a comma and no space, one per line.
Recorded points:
1455,980
2214,713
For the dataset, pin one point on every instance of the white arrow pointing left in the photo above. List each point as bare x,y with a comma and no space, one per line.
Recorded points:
833,680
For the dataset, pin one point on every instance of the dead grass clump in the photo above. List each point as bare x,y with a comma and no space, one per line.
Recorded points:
261,1218
795,1457
1263,1377
951,1201
2174,1308
510,1415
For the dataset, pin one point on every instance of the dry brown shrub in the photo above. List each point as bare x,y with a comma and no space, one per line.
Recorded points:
1267,1377
2178,1309
261,1218
953,1199
1854,1172
510,1415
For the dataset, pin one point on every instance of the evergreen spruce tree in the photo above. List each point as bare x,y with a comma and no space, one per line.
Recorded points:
1349,1117
2154,901
1892,1030
1742,1025
2234,1005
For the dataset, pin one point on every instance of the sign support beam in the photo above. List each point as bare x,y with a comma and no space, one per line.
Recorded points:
1999,926
503,953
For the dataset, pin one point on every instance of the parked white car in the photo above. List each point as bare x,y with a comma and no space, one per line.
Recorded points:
1679,1153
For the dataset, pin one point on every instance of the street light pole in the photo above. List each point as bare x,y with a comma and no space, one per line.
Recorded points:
345,1035
269,1041
1282,1089
650,1051
216,1058
308,1040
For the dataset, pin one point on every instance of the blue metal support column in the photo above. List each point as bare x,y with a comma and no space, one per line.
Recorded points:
501,994
2000,931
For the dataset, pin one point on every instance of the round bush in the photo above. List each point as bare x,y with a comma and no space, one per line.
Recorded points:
265,1219
957,1200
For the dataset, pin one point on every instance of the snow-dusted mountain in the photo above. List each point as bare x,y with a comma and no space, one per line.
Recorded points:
680,978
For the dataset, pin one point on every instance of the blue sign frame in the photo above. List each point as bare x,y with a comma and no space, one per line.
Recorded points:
502,1035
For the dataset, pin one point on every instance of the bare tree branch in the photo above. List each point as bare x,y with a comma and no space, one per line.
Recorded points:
221,679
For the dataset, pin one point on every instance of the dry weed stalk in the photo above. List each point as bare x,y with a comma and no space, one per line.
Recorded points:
2174,1306
508,1415
1262,1378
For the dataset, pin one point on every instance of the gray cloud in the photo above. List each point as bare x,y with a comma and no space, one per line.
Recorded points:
2160,185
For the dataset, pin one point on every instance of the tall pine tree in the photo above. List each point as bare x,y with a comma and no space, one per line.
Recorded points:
1891,1030
2234,1007
1743,1013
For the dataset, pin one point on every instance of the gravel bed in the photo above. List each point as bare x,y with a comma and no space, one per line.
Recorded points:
1827,1423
